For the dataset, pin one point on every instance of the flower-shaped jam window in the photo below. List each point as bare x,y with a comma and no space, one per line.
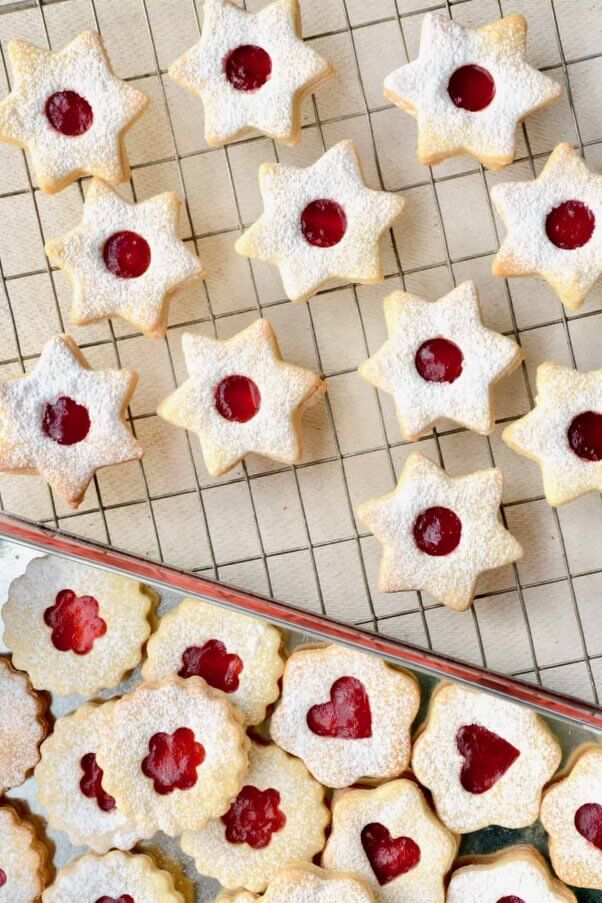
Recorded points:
486,757
69,113
91,783
65,421
213,663
172,760
346,715
588,821
389,857
253,817
75,622
124,898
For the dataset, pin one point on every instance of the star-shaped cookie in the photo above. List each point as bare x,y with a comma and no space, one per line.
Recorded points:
125,259
320,223
65,421
440,361
554,226
69,111
469,88
563,432
252,70
439,533
241,397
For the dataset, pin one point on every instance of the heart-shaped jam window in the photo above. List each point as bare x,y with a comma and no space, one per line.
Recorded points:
389,857
124,898
253,817
173,760
347,715
487,757
213,663
510,899
588,821
91,783
75,622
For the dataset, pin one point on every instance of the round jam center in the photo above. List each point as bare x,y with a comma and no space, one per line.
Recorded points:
585,435
173,760
439,361
3,878
248,67
65,421
237,398
253,817
124,898
347,715
69,113
91,783
75,622
389,857
471,88
213,663
323,223
588,821
570,225
487,757
437,531
511,899
127,255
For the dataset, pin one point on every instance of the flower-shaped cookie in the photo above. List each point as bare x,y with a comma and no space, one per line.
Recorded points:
23,860
115,878
571,813
320,223
278,817
554,226
469,88
390,836
252,70
234,653
23,726
346,714
302,883
440,361
241,397
175,756
439,533
69,111
517,875
65,421
485,760
563,432
125,259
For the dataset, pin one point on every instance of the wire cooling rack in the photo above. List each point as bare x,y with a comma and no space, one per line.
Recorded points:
291,532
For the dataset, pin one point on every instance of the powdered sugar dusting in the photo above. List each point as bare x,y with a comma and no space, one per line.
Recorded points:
520,872
307,884
92,877
22,726
23,859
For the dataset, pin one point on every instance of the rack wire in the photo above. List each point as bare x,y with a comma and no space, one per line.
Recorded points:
291,532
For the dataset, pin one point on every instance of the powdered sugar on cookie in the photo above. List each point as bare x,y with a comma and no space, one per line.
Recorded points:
23,860
520,873
22,726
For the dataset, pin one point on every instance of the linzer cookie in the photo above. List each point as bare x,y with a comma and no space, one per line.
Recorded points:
69,111
469,88
252,70
484,760
347,715
302,883
320,223
22,726
278,817
23,860
516,875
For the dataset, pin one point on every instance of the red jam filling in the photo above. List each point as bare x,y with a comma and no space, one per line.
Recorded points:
588,821
486,757
471,88
66,421
91,783
237,398
570,225
347,715
124,898
75,622
172,760
389,857
437,531
323,223
126,254
511,899
585,435
3,878
69,113
253,817
214,664
439,361
248,67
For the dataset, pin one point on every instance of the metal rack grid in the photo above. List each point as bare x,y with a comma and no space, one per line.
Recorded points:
522,619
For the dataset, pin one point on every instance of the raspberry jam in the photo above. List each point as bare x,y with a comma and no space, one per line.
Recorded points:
585,435
91,783
486,757
588,821
471,88
69,113
248,67
237,398
389,857
347,715
439,361
172,760
65,421
3,878
75,622
570,225
127,255
323,223
437,531
214,664
124,898
511,899
253,817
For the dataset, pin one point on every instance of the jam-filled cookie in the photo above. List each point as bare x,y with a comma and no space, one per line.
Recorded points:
485,760
23,860
516,875
346,714
23,726
303,883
